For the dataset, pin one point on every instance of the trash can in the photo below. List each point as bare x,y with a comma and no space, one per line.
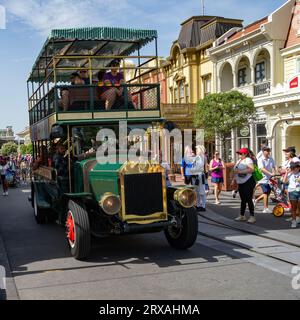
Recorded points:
228,176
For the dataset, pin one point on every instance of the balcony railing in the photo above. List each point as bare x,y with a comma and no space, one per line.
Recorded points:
262,88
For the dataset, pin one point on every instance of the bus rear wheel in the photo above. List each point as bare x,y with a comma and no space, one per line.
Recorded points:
78,230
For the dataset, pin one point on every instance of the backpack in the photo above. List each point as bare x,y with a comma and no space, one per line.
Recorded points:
197,166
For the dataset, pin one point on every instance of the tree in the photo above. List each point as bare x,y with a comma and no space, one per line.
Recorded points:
220,113
29,148
9,148
26,149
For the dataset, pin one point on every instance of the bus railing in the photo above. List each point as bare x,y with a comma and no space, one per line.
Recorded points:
94,98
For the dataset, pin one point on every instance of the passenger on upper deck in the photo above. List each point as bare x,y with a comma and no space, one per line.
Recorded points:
84,76
112,90
75,80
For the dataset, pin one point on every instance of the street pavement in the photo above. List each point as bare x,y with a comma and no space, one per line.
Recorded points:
139,266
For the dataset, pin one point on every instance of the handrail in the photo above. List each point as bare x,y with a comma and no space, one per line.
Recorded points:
44,102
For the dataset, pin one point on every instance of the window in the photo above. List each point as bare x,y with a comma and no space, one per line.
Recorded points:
260,72
181,91
298,65
242,77
171,94
187,94
261,134
206,85
175,95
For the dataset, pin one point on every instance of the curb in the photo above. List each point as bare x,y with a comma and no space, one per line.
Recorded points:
251,229
11,292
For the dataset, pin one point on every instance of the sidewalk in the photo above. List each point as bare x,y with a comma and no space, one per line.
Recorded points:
229,209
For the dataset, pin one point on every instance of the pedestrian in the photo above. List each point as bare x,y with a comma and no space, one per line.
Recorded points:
290,156
186,165
216,168
292,177
266,164
198,177
3,170
260,154
243,171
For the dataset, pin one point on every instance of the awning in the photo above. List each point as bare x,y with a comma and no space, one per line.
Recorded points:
100,41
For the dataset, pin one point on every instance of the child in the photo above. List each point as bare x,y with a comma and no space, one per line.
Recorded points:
3,171
292,177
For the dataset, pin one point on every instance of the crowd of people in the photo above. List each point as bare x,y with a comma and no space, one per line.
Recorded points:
251,174
14,170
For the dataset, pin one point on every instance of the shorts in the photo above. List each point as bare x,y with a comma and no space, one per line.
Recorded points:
294,196
266,189
217,180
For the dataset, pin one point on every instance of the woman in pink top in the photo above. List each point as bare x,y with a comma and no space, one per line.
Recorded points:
216,168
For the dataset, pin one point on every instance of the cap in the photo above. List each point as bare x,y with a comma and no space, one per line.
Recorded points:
290,149
243,151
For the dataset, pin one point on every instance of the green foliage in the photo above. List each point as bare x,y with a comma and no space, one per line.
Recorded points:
29,148
222,112
9,148
26,149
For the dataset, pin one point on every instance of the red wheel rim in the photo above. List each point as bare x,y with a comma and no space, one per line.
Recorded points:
70,229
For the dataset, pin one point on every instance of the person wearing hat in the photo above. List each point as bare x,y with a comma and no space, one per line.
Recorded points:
292,177
243,171
267,166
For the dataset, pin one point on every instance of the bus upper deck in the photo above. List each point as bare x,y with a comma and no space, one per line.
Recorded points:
92,74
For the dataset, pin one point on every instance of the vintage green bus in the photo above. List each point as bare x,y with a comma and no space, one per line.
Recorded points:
68,105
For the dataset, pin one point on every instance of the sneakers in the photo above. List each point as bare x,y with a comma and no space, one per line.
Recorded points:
240,218
217,202
251,220
294,224
234,193
5,193
200,209
266,210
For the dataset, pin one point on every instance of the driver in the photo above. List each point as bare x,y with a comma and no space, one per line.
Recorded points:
60,163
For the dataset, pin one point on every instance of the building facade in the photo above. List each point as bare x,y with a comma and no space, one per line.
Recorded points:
189,70
256,61
6,135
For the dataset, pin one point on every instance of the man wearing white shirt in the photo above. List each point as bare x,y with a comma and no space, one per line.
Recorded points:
267,166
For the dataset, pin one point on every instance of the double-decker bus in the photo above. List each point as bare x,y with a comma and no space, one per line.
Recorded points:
84,81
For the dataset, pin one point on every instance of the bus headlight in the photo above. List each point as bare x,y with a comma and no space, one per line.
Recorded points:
186,197
110,204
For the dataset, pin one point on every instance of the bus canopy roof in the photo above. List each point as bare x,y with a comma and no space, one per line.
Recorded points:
99,41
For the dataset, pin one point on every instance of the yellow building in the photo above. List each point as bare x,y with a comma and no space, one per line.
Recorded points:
189,70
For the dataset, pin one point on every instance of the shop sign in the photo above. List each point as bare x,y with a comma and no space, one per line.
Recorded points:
294,83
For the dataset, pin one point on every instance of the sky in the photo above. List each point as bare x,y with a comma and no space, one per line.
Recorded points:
28,23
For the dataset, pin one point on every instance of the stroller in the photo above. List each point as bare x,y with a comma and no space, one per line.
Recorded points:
280,198
12,178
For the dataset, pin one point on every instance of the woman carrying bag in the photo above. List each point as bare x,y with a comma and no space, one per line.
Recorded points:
243,176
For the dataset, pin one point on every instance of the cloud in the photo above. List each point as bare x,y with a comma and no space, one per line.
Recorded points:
44,15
